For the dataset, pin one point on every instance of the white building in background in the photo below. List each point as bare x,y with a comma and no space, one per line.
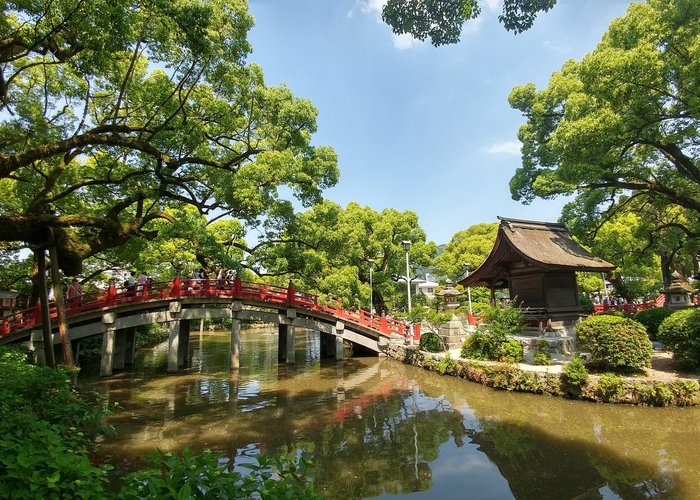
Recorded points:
424,286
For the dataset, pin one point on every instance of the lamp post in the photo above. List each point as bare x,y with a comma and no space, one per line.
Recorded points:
371,288
406,245
469,291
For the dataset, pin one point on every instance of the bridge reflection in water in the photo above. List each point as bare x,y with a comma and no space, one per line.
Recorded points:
377,428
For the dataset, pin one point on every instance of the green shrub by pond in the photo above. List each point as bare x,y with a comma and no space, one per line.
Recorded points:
680,332
431,342
487,345
652,319
614,343
47,429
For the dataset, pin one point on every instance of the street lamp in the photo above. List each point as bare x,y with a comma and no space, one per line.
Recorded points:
371,288
469,291
406,244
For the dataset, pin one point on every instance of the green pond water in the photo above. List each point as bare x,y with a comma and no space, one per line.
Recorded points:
377,428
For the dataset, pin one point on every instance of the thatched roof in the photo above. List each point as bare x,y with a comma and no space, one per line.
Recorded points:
545,245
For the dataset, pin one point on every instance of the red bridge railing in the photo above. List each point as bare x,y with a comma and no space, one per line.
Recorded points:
116,296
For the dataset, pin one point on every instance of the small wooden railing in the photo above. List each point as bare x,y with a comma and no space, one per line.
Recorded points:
122,296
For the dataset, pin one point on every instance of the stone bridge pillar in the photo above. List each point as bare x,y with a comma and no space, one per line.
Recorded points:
338,330
108,340
174,344
291,314
282,342
184,344
236,307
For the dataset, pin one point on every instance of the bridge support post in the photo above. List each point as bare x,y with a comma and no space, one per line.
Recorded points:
338,330
174,338
327,345
130,349
107,360
235,352
282,343
184,344
291,346
119,355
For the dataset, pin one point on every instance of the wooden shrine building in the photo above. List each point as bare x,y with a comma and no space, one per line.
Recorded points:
537,262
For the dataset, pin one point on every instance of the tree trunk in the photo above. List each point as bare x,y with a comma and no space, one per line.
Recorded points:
666,270
60,308
40,260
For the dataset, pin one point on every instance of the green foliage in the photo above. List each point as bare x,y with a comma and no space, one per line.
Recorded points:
202,476
442,22
680,332
47,429
112,134
652,319
543,358
504,319
486,345
612,131
586,303
431,342
613,312
614,343
610,387
510,351
574,376
471,246
327,249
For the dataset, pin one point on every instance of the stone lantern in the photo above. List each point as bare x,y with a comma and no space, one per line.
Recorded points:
449,295
678,293
8,301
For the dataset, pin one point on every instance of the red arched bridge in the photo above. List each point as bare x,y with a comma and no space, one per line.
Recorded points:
115,313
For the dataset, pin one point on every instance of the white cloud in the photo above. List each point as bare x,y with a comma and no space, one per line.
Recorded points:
405,41
493,4
504,148
368,6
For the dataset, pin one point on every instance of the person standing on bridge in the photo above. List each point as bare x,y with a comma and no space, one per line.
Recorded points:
141,283
73,293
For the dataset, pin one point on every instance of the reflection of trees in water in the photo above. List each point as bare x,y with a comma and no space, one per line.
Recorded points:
540,465
390,436
385,448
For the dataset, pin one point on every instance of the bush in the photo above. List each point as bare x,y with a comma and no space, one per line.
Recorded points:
431,342
574,376
614,343
680,332
47,428
543,358
510,351
504,320
613,312
487,345
652,319
201,476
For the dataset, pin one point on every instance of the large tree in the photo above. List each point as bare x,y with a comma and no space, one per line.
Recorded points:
114,114
442,20
327,249
470,246
619,129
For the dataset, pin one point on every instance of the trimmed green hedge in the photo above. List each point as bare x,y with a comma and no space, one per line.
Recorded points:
614,343
431,342
680,332
652,319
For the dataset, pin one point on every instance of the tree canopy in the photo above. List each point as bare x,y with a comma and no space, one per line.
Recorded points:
116,114
619,129
470,246
327,249
442,20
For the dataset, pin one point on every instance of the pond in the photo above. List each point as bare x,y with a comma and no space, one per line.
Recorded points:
377,428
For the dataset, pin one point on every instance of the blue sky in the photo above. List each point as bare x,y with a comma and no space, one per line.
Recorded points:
417,127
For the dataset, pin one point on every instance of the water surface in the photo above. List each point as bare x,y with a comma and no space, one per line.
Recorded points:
377,428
